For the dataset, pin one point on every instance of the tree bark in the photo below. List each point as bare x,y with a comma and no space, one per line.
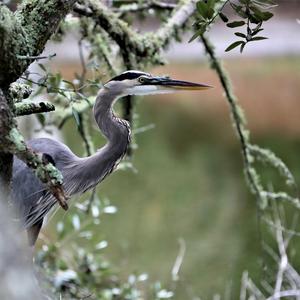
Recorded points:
25,33
6,158
18,281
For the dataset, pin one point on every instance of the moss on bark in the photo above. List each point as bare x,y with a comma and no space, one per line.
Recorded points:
25,33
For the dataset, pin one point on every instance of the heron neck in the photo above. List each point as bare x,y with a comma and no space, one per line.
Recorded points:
117,133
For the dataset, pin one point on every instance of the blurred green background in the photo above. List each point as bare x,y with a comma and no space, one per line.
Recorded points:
189,181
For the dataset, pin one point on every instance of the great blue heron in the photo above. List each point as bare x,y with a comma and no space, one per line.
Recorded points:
31,198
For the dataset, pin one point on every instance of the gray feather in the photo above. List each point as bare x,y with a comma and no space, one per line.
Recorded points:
31,198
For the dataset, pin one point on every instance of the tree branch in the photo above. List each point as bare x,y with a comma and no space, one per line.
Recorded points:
25,33
44,170
178,20
28,108
137,50
138,46
12,142
6,158
238,121
135,7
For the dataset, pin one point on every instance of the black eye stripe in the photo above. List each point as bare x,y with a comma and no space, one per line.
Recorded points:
128,75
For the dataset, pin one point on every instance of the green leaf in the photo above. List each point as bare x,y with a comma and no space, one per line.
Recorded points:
41,118
267,15
69,83
240,35
62,93
223,17
234,45
211,3
206,9
194,36
259,38
242,47
197,34
202,8
236,7
239,10
266,4
42,67
260,15
255,19
210,13
256,31
76,116
236,24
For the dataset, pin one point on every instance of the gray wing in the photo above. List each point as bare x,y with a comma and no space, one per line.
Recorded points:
27,189
30,197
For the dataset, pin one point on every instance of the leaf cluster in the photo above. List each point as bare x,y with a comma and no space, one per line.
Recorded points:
76,265
251,16
61,91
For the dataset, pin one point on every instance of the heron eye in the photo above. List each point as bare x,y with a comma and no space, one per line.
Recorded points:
141,79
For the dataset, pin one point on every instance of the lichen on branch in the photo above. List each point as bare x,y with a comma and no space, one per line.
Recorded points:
142,49
19,91
29,108
45,171
12,143
25,33
251,153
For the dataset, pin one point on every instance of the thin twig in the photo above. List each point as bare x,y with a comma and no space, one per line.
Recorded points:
83,127
238,119
151,4
285,294
179,260
30,57
283,258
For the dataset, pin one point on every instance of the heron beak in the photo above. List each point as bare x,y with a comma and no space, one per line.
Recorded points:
167,83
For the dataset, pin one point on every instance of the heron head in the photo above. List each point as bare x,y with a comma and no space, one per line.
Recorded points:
141,83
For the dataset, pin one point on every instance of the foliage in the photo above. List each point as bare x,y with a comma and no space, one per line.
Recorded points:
77,271
252,14
113,45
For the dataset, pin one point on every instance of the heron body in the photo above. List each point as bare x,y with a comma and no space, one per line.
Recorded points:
31,198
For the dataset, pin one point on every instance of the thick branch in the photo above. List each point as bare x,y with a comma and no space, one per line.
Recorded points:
6,159
25,33
117,29
136,45
44,170
177,21
28,108
137,50
135,7
12,142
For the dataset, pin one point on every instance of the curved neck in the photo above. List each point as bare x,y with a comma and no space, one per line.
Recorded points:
116,131
95,168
